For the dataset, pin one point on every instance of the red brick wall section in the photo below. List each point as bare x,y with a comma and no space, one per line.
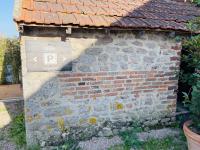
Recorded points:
93,85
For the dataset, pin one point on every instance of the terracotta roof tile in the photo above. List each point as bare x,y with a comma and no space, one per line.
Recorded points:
159,14
99,21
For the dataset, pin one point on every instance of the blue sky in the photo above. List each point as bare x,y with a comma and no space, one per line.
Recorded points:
7,26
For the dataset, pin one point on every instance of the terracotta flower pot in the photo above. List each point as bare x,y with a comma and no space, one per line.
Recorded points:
193,139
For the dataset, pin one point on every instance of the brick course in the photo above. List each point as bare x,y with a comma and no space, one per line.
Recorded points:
103,84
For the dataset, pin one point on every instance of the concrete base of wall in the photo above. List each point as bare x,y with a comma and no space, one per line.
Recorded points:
9,108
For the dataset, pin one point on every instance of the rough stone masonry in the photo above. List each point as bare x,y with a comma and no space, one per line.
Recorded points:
116,78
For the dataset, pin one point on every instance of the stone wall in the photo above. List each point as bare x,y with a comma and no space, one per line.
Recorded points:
117,78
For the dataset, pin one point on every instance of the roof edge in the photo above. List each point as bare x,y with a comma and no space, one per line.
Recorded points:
110,28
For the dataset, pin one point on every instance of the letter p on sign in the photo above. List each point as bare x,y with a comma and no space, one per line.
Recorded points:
50,58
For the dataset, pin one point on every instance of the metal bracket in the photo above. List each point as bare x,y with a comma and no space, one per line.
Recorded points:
107,31
21,29
68,30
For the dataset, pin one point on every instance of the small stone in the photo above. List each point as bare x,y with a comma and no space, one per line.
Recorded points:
128,50
104,40
107,132
64,135
94,51
123,129
165,120
141,51
84,68
43,144
123,66
148,59
103,57
148,101
87,59
100,134
137,43
115,132
121,43
151,45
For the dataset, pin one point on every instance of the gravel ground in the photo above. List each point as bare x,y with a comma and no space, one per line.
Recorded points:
101,143
7,145
5,142
158,134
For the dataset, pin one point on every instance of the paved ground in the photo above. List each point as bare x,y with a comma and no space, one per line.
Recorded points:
101,143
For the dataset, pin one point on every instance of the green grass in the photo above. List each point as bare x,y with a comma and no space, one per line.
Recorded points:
34,147
130,138
168,143
17,130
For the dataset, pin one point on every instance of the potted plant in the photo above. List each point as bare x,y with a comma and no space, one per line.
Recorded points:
190,74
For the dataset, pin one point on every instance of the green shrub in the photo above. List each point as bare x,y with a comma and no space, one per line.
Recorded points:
196,2
34,147
10,55
17,130
69,144
130,138
190,75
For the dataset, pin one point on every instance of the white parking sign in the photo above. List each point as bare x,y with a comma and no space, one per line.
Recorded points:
48,55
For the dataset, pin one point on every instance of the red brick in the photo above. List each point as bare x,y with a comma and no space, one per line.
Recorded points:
174,58
151,79
119,81
69,93
121,77
111,94
136,76
118,89
83,88
147,91
96,95
97,74
176,47
89,79
73,79
105,78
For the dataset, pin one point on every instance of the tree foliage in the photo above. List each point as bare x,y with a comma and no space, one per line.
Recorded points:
190,73
10,55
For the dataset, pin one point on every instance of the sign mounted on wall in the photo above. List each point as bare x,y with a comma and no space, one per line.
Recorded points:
44,56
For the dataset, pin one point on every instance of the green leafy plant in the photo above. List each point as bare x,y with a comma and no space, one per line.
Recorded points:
130,137
196,2
168,143
17,130
190,75
10,55
34,147
69,144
